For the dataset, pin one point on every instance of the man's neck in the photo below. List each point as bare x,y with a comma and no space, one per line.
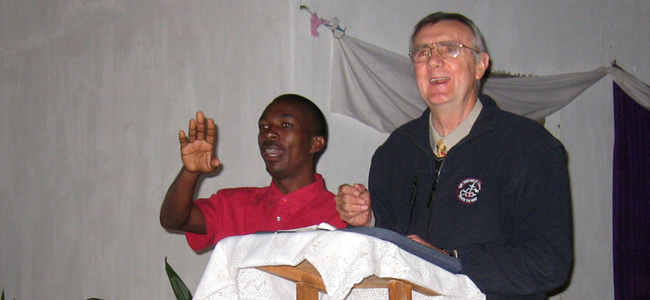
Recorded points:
448,116
291,184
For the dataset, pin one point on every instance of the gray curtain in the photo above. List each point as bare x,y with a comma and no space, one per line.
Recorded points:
377,87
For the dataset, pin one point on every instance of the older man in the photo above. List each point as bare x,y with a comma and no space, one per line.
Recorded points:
292,135
469,179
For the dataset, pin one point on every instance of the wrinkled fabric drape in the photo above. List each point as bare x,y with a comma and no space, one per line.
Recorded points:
631,202
377,87
637,90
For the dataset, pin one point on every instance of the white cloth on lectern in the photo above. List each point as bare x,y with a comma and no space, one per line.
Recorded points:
342,258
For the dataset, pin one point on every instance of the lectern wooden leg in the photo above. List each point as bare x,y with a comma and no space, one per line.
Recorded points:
309,282
398,290
306,292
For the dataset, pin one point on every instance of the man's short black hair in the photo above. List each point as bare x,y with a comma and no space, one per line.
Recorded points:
317,121
314,114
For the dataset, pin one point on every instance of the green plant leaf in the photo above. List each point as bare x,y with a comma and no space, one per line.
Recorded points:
180,289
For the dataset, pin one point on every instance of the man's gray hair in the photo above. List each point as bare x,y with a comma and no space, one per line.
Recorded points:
479,42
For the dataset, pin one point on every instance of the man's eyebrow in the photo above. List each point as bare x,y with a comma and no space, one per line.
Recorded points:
282,116
287,116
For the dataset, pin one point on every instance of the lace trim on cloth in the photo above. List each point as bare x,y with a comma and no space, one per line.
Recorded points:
342,258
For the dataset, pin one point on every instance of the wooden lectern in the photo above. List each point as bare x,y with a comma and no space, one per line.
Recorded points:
309,282
296,265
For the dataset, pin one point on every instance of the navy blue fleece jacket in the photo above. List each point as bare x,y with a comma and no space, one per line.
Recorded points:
502,200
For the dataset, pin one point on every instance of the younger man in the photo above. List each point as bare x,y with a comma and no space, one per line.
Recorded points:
292,135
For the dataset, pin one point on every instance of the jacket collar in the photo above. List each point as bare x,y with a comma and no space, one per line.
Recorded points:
418,129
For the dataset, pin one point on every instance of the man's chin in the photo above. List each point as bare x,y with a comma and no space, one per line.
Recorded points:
273,169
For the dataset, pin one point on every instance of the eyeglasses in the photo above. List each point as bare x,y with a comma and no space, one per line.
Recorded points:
446,49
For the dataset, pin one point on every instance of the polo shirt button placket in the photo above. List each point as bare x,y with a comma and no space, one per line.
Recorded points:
284,199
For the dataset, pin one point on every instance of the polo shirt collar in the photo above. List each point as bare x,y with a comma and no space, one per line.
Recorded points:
306,192
457,134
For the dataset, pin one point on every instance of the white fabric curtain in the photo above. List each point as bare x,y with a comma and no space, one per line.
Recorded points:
377,87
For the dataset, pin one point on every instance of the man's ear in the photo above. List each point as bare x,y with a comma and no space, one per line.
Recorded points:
317,144
482,65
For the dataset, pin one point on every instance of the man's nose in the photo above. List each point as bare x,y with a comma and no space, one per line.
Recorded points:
271,133
435,60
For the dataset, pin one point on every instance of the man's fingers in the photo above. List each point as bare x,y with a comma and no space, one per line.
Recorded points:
423,242
352,210
201,129
351,205
356,190
211,132
200,126
215,163
182,138
192,131
355,217
344,189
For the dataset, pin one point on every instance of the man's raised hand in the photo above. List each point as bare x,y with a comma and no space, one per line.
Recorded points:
197,148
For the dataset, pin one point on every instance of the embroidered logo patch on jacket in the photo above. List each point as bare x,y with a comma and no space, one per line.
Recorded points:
468,190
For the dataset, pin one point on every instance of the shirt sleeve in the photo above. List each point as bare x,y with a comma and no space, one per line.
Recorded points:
391,187
200,241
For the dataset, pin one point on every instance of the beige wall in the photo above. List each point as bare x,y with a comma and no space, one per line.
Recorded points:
93,93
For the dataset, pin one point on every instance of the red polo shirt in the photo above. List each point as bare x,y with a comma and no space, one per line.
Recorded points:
247,210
